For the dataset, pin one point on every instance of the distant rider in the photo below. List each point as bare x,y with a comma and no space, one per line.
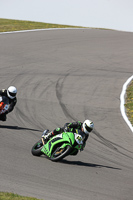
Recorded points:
85,128
10,93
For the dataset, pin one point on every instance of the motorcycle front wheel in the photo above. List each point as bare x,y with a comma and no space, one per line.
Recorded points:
36,149
59,153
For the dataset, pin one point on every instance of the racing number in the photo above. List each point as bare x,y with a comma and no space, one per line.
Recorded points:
79,139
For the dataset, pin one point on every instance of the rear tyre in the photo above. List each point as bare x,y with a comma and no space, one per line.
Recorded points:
59,153
36,149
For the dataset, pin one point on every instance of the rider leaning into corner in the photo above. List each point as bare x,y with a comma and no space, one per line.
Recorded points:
10,93
84,129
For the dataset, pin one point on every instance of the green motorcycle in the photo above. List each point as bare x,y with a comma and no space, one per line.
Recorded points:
59,146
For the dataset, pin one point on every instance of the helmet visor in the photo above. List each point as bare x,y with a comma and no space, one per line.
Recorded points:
88,128
12,94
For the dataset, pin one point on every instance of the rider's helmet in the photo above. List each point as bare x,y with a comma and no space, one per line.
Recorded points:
87,126
11,92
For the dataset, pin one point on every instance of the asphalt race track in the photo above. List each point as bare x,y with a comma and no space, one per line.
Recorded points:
64,76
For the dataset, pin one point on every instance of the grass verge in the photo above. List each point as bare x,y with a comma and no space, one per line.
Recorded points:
11,196
17,25
129,102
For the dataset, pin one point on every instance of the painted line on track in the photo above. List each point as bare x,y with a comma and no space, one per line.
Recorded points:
122,96
122,104
47,29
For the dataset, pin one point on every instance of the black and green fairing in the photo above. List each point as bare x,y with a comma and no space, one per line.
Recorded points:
62,140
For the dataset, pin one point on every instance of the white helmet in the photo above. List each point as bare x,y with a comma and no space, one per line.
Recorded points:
11,92
88,126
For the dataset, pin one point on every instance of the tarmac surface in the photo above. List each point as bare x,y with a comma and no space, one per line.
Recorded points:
64,76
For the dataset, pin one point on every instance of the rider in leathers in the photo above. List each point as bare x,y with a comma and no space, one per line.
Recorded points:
10,93
85,128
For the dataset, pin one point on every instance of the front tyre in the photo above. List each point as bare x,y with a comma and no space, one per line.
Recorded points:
59,153
36,149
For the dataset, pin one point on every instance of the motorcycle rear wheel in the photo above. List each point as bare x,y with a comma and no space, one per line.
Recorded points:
36,149
59,153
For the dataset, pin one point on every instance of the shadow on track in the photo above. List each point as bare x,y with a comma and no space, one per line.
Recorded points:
18,128
80,163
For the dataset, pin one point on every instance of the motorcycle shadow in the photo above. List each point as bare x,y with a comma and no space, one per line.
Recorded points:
18,128
80,163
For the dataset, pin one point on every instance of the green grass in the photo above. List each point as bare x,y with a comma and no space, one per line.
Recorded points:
11,196
129,102
16,25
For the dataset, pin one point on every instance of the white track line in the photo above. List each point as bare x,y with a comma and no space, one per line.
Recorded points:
122,105
122,96
47,29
